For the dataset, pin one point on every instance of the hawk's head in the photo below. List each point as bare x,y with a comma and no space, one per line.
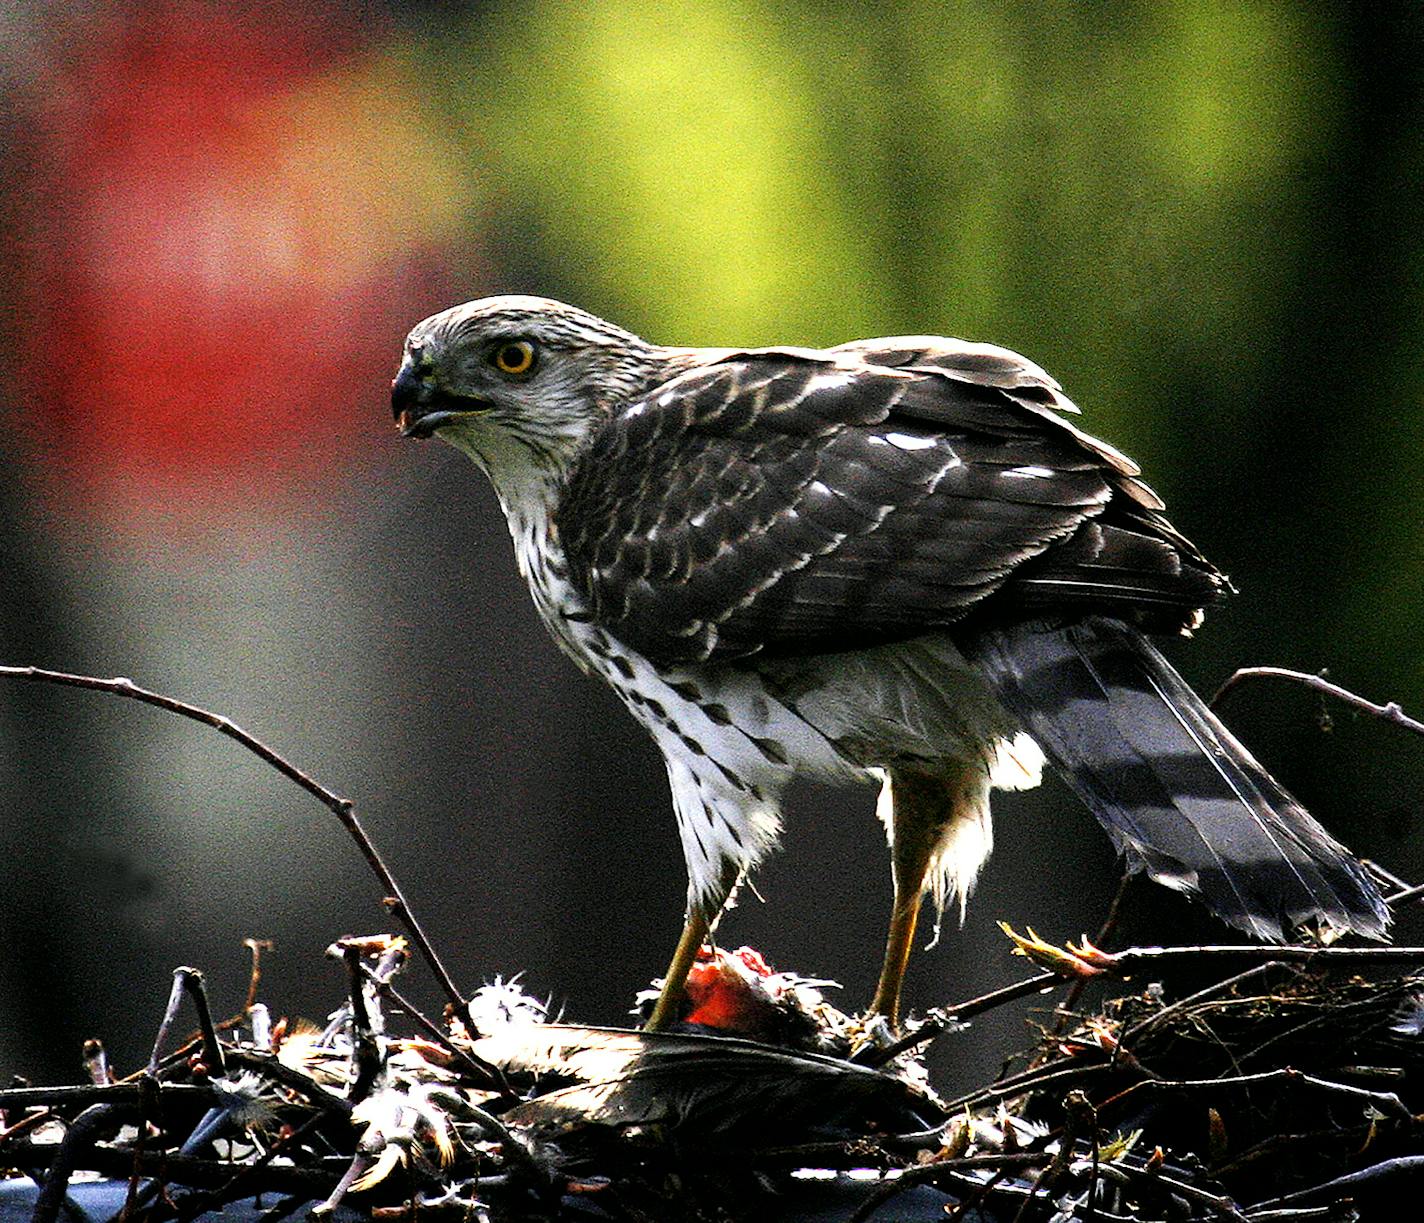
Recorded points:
514,380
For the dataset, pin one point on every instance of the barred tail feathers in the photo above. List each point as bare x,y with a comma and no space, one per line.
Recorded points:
1179,795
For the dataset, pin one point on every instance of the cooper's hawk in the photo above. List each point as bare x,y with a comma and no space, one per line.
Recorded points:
893,557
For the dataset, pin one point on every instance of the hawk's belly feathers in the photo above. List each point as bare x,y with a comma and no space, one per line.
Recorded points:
733,735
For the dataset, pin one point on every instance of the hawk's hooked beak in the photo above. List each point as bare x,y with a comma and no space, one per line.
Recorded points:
412,403
420,408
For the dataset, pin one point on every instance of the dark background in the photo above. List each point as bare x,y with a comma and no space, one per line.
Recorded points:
218,224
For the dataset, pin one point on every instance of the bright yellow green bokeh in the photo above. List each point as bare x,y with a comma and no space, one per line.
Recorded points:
671,166
1070,179
1123,191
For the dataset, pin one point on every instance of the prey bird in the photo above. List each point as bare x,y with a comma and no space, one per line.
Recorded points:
895,558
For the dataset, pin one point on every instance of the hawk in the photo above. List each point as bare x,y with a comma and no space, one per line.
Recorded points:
896,558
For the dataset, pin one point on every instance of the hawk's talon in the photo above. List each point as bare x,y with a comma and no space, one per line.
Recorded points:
1066,962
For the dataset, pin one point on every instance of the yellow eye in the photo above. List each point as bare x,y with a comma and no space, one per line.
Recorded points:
516,357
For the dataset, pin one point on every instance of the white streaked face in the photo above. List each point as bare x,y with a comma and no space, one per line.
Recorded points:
542,373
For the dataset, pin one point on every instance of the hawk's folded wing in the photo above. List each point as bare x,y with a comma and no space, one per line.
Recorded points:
789,500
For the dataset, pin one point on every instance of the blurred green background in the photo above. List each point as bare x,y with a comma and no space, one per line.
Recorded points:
220,220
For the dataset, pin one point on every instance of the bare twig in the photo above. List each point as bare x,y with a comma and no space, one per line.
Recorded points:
343,808
84,1131
96,1063
977,1195
483,1071
928,1174
1383,874
114,1161
1349,1185
1133,956
1388,712
1079,1119
366,1057
170,1013
257,946
1300,1214
1220,987
1404,897
1127,961
201,1201
166,1065
1385,1101
1403,892
116,1093
191,980
1216,1203
943,1019
1063,1071
148,1111
888,1151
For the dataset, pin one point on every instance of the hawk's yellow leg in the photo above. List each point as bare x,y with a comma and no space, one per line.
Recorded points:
702,915
694,933
922,807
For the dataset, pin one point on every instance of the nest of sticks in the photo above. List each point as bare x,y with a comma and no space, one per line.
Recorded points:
1291,1088
1242,1083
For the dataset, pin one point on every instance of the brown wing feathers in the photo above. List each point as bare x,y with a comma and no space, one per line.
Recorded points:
772,501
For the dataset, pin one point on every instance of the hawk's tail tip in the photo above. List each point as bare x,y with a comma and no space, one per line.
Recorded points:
1177,792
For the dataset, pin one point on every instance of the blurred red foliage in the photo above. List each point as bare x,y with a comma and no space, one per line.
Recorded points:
230,219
